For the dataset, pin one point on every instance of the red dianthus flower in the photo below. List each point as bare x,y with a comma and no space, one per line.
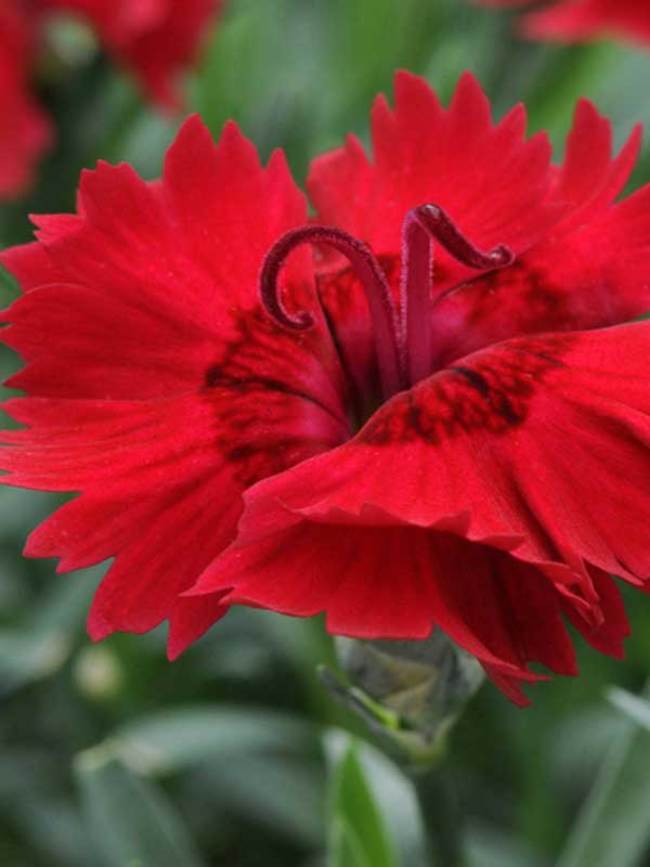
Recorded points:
154,39
24,129
577,20
399,439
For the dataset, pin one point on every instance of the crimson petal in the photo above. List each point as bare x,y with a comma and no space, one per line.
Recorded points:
538,447
24,130
158,388
156,39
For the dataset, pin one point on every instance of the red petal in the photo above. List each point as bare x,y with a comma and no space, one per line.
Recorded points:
157,496
177,540
193,245
583,19
190,619
162,53
398,582
456,158
589,271
24,131
122,19
156,39
152,290
158,387
228,210
538,446
590,175
582,261
612,628
80,342
161,483
107,445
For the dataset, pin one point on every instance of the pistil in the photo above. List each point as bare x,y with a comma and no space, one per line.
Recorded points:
403,332
422,226
389,341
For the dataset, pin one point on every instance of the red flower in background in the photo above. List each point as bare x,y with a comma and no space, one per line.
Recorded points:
24,129
399,441
577,20
155,39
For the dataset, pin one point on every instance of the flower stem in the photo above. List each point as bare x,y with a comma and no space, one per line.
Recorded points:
441,817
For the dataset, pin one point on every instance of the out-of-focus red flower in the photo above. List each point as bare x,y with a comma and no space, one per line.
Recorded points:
155,39
24,129
577,20
435,420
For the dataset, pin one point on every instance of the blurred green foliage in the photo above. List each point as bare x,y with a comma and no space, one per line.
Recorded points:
233,756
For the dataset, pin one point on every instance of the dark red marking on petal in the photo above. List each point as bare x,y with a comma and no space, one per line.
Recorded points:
262,431
520,299
493,394
275,399
264,355
475,379
564,286
536,296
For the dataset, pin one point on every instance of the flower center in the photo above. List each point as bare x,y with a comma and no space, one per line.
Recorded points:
402,331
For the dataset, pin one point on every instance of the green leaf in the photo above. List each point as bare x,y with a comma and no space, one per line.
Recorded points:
172,740
28,655
130,821
346,847
8,285
394,795
613,826
55,829
357,827
488,846
41,647
637,708
247,786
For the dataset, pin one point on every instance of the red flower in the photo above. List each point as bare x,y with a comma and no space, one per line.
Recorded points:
24,130
474,457
155,39
576,20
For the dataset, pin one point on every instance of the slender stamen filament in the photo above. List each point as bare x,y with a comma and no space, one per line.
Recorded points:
403,334
384,316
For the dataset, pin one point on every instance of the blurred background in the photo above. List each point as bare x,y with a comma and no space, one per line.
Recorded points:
234,756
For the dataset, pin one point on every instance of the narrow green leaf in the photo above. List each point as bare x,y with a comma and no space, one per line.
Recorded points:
171,740
394,795
357,825
490,846
8,285
55,828
41,647
247,786
130,821
27,655
346,848
614,824
637,708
